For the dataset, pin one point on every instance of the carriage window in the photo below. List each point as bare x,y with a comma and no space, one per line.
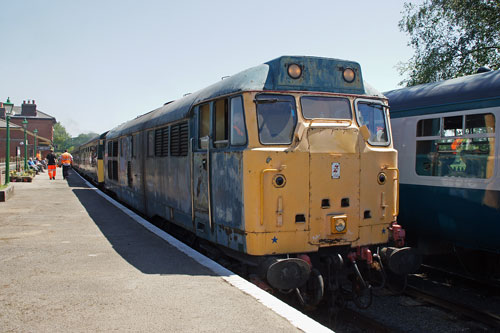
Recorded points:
428,127
452,126
238,130
276,117
479,123
468,153
204,122
372,115
325,107
221,123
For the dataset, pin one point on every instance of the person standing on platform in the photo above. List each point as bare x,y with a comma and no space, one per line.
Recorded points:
66,161
51,164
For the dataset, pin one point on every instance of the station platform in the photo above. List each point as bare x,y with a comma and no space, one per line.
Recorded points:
73,260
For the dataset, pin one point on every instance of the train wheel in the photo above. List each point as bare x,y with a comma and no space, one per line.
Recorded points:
312,292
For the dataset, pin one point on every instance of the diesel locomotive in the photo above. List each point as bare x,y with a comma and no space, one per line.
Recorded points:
448,141
288,167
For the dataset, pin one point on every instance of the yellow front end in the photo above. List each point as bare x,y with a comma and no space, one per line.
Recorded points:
327,188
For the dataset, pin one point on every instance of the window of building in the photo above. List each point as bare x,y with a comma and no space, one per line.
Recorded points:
465,149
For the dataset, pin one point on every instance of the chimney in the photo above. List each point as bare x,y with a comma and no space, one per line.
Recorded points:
28,109
2,111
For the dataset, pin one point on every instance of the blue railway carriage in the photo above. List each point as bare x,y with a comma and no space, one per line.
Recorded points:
447,135
88,158
287,166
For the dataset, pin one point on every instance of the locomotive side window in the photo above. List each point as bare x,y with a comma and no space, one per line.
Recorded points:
325,107
238,129
221,123
465,149
372,115
276,117
134,145
115,148
203,123
151,143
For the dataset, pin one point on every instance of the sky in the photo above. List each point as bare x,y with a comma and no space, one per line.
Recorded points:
94,64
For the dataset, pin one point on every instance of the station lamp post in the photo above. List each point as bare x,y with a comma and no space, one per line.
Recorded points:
25,126
34,149
8,112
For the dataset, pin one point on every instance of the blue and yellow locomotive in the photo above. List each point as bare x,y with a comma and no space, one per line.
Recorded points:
288,166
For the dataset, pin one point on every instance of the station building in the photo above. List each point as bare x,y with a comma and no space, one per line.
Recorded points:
37,120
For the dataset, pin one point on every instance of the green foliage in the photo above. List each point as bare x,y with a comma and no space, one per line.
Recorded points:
451,38
62,140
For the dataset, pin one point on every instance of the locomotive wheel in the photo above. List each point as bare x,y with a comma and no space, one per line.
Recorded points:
312,292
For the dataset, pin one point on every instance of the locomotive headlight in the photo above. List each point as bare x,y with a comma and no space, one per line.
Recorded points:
294,71
339,224
279,180
381,178
349,75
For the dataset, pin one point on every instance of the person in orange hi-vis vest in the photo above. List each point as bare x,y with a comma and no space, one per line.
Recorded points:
51,164
66,161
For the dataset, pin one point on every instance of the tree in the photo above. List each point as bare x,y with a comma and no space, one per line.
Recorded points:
451,38
62,140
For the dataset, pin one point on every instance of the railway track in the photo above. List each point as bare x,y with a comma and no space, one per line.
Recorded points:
484,316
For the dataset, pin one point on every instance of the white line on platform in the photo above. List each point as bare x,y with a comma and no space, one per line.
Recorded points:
295,317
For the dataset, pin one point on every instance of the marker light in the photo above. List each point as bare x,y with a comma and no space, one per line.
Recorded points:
295,71
349,75
340,225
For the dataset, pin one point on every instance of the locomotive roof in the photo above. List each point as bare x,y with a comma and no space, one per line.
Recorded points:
267,76
473,91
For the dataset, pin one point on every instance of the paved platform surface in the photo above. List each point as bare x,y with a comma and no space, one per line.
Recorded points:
70,261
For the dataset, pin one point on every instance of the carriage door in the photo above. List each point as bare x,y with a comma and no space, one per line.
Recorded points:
200,185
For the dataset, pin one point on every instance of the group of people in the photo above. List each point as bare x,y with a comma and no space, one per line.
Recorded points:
37,164
65,160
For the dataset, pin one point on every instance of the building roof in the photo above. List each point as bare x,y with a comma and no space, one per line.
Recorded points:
3,124
17,113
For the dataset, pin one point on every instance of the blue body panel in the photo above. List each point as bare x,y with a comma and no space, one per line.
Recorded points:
431,212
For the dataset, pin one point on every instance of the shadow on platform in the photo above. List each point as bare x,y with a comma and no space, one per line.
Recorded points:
147,252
